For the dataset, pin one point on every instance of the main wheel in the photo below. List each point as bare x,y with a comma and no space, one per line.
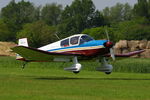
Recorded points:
76,72
107,73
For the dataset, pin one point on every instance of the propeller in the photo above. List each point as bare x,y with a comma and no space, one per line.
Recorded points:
109,45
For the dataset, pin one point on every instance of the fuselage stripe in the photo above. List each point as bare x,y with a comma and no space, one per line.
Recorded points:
78,48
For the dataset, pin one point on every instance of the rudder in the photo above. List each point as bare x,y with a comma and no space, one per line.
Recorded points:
22,42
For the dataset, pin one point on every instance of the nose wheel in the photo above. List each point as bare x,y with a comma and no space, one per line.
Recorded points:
107,73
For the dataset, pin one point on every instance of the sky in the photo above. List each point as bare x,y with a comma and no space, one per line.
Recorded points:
100,4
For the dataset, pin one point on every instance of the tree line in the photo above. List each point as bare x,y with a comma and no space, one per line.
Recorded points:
41,24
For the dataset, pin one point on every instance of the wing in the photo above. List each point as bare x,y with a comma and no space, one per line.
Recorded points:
127,54
32,54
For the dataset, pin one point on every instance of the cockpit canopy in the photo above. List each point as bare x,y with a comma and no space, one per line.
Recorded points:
76,40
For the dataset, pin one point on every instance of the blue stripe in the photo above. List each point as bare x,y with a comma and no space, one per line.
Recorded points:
87,44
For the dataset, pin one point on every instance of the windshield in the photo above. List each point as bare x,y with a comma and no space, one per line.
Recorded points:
85,38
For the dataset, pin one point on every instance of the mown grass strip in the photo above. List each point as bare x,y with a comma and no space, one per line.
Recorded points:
54,84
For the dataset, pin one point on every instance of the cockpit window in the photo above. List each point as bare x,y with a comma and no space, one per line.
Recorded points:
65,43
74,40
85,38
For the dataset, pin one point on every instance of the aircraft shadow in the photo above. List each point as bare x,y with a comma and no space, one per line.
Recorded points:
72,78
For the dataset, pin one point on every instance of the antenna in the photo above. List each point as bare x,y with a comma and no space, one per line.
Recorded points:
106,31
57,35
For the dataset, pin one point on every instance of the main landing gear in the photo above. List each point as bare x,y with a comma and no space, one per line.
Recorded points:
76,67
24,64
105,67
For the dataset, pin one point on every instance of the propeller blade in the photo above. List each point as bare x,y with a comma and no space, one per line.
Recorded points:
112,54
111,49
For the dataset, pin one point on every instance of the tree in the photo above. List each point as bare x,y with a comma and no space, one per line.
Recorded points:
38,33
127,12
5,34
19,13
15,15
142,8
8,15
79,15
50,13
136,29
118,13
149,7
100,33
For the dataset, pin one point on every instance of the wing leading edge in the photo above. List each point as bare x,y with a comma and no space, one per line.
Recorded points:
127,54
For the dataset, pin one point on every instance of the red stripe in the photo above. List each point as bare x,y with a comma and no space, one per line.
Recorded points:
93,52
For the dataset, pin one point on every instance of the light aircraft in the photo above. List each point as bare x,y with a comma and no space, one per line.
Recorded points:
74,48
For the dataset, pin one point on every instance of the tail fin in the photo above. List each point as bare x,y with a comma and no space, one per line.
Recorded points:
23,42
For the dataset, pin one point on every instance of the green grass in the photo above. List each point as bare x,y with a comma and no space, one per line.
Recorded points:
44,84
136,65
47,81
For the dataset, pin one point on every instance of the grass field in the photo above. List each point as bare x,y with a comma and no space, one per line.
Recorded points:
41,82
